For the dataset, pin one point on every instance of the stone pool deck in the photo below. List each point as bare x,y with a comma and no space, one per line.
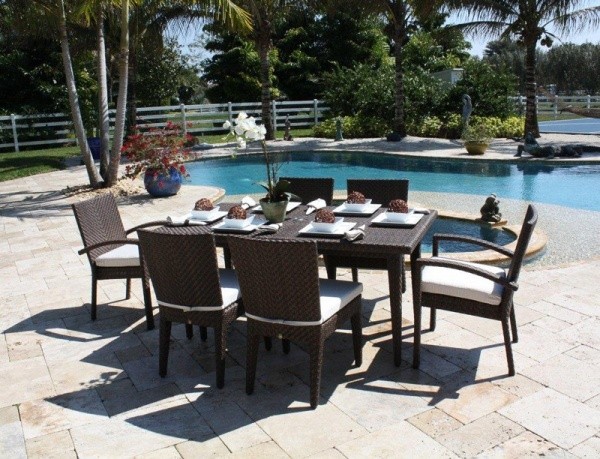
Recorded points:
76,388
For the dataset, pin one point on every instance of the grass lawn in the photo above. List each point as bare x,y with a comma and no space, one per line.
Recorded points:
25,163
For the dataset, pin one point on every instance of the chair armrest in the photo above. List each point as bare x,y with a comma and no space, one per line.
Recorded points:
102,244
145,225
466,267
471,240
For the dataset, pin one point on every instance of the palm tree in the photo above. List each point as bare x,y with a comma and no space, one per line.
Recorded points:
528,22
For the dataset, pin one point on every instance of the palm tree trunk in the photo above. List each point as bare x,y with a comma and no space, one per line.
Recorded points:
104,122
264,47
93,175
399,13
115,156
531,121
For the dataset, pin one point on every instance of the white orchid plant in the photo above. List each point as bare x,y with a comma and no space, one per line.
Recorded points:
245,129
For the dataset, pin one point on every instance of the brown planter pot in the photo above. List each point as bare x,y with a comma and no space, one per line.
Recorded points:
476,148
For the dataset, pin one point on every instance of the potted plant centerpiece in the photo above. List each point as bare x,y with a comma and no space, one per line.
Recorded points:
476,138
274,204
160,154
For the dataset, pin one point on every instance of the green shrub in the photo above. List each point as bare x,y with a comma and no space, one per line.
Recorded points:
353,127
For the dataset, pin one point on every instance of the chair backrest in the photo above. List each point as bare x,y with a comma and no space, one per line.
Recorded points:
531,217
381,191
309,189
99,220
182,264
279,279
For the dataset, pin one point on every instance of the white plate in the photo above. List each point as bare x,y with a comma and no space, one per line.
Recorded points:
357,207
368,209
382,220
310,230
399,216
237,223
209,217
180,220
290,206
327,227
204,215
225,227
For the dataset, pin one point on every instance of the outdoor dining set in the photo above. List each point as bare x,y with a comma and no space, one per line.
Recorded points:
270,273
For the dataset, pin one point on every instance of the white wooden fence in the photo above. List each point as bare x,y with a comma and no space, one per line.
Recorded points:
17,131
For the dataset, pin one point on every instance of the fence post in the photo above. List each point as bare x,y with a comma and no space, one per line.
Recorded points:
274,105
13,121
555,106
315,103
589,101
230,112
183,118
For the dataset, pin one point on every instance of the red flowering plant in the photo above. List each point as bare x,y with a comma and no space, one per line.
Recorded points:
157,151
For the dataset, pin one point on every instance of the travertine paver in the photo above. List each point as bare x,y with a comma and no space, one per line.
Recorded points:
76,388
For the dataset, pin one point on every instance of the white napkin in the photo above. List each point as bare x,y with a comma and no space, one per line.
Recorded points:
184,220
355,234
421,210
270,227
315,205
247,202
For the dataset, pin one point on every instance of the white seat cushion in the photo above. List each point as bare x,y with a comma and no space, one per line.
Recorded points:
123,256
230,292
460,284
334,295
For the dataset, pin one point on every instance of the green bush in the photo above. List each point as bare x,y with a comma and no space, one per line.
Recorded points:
353,127
452,128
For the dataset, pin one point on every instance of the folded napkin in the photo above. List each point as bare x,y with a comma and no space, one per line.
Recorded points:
315,205
355,234
270,227
247,202
184,220
421,210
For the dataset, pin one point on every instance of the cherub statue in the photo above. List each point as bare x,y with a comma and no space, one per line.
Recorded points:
490,211
287,135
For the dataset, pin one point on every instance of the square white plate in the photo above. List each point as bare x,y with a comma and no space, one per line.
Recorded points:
225,227
290,206
368,209
208,217
352,207
411,220
204,215
327,227
310,230
399,216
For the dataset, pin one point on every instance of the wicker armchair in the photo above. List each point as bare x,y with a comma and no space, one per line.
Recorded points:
284,297
309,189
110,253
381,191
471,288
190,288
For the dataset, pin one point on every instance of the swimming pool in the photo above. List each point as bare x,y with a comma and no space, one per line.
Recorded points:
573,186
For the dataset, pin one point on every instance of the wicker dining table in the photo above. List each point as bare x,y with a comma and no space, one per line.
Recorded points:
381,248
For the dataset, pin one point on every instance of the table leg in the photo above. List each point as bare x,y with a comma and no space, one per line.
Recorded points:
395,281
414,256
227,257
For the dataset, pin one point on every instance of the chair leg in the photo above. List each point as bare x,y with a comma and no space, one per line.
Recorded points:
94,296
148,303
285,343
203,333
251,359
418,312
220,347
163,347
507,345
356,322
330,268
128,288
268,343
316,367
189,331
513,325
354,274
432,314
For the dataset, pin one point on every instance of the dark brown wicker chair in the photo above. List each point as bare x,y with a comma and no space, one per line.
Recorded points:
309,189
381,191
284,297
471,288
189,286
110,253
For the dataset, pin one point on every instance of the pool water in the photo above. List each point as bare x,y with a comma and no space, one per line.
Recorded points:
573,186
465,228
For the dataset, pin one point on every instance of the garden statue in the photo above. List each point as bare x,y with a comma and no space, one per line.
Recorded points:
287,135
467,109
339,134
490,211
532,147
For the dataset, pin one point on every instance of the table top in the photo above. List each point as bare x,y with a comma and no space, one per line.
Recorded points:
384,240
